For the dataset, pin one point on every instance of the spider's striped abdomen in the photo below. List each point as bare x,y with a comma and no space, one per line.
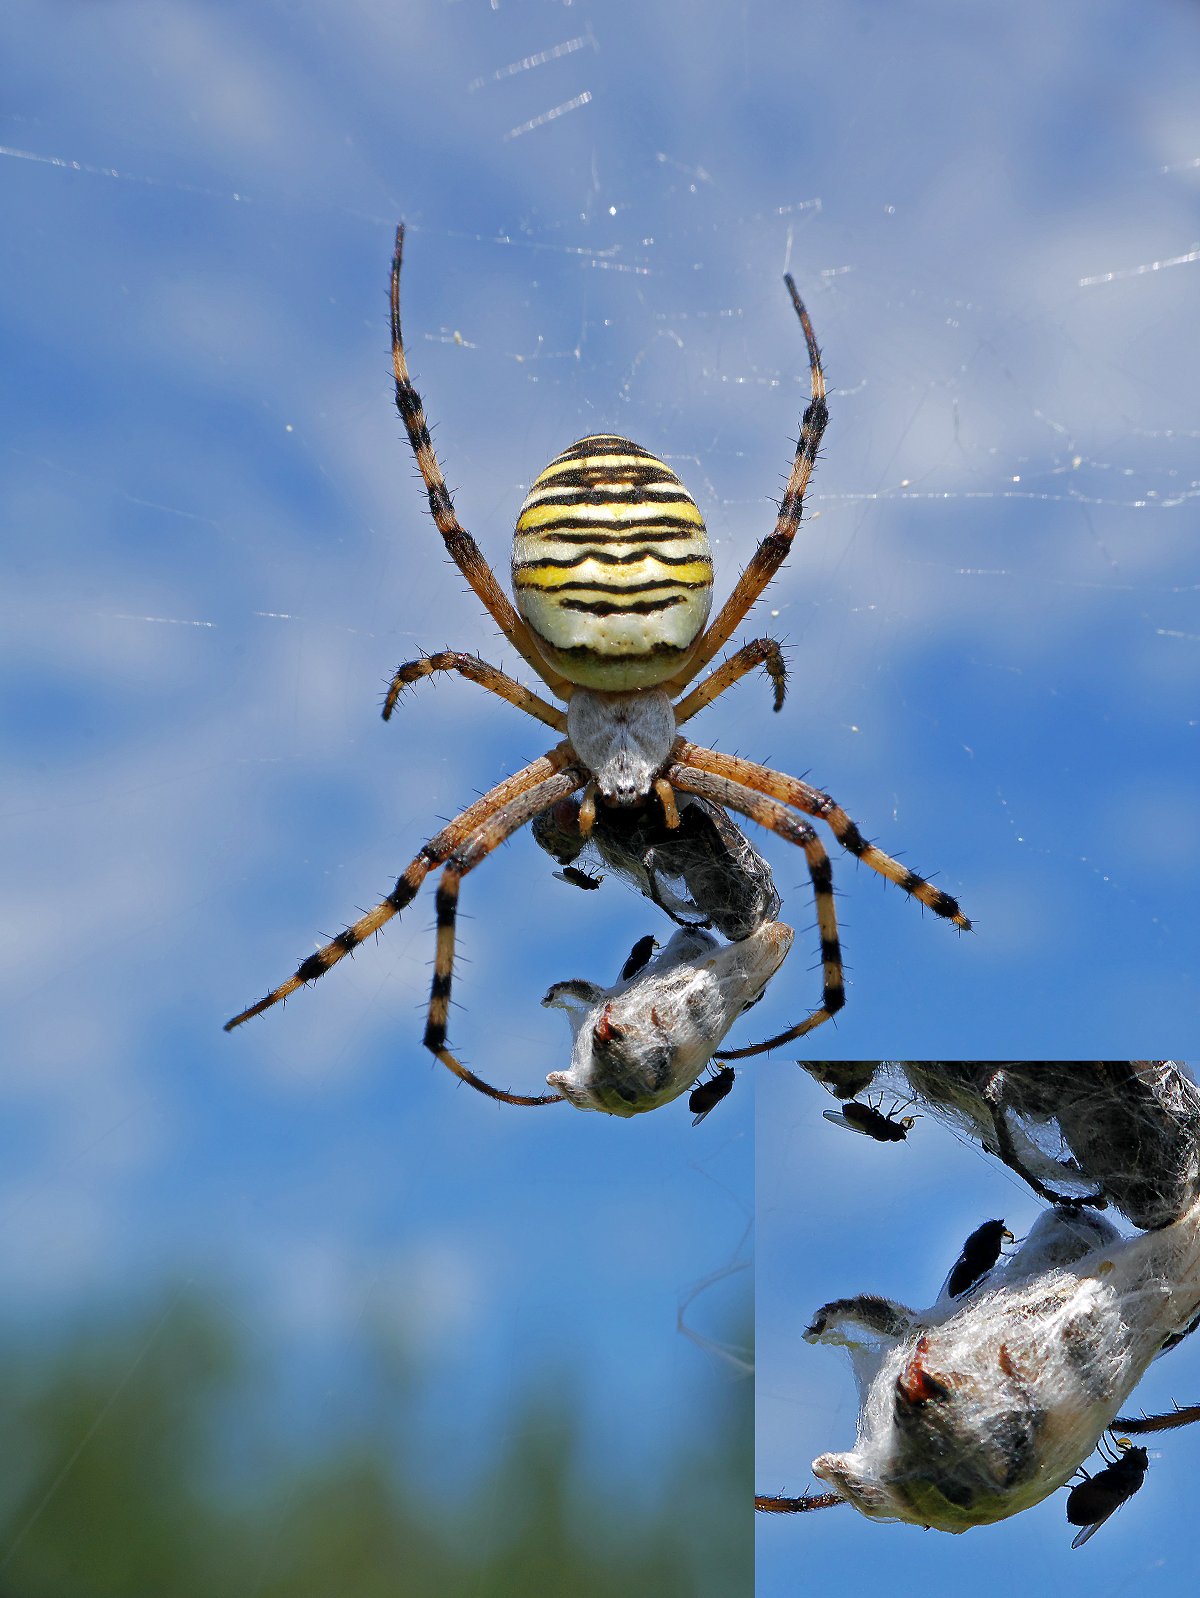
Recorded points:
612,569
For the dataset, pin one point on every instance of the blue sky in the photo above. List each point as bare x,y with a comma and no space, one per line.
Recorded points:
217,556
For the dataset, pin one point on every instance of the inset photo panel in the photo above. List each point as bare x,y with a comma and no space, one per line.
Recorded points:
976,1284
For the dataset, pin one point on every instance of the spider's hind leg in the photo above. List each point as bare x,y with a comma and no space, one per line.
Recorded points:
409,882
803,796
465,858
778,819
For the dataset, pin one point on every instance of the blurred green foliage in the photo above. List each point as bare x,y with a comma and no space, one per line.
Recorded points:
147,1459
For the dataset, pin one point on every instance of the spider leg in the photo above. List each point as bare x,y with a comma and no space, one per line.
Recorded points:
477,671
867,1310
802,796
1179,1416
434,852
486,837
762,652
463,550
773,550
1006,1150
666,798
770,1505
768,813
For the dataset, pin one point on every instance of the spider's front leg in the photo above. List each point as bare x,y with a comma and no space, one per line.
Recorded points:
773,551
461,547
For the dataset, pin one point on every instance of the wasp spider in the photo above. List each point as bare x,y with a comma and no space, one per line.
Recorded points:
612,574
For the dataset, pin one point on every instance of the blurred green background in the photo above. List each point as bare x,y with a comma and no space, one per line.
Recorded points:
148,1455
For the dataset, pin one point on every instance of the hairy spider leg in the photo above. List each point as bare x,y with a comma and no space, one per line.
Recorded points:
778,819
462,548
476,671
770,1505
760,652
1181,1415
493,832
1007,1152
773,550
802,796
433,853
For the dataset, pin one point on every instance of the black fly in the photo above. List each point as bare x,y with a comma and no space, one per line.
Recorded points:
639,955
871,1122
706,1095
979,1253
1091,1501
577,878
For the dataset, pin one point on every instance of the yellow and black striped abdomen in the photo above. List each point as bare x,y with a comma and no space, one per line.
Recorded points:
612,569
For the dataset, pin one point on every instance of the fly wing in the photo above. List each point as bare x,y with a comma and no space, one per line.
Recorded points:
1090,1531
839,1119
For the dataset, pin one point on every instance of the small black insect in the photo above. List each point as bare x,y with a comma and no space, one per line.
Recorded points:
1091,1501
639,955
706,1095
871,1122
979,1253
577,878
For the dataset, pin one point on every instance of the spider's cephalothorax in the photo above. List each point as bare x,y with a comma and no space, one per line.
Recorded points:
612,573
612,569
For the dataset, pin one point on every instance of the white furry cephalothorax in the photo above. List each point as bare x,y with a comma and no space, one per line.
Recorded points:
623,739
